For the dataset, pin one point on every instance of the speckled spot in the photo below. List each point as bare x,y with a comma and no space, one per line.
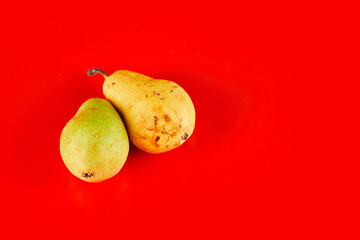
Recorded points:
155,120
167,118
88,174
185,136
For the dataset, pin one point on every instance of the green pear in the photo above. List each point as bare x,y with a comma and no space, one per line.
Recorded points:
159,115
94,144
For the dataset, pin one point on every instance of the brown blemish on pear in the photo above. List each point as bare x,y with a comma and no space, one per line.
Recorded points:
88,174
185,136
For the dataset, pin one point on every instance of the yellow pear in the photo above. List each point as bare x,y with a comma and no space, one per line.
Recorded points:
158,114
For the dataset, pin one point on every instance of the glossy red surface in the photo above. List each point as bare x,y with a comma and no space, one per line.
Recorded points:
238,176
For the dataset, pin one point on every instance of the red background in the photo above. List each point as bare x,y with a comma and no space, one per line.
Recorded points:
247,67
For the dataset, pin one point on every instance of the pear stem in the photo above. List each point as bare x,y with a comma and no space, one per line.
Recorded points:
94,71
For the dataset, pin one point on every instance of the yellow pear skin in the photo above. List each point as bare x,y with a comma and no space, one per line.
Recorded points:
158,114
94,144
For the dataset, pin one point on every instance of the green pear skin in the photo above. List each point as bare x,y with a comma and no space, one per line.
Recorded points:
158,114
94,144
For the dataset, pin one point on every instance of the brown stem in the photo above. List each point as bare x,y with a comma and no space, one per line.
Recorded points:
94,71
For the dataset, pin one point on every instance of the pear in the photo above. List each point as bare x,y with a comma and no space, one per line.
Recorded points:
94,144
158,114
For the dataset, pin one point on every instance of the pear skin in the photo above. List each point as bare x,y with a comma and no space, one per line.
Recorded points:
158,114
94,144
